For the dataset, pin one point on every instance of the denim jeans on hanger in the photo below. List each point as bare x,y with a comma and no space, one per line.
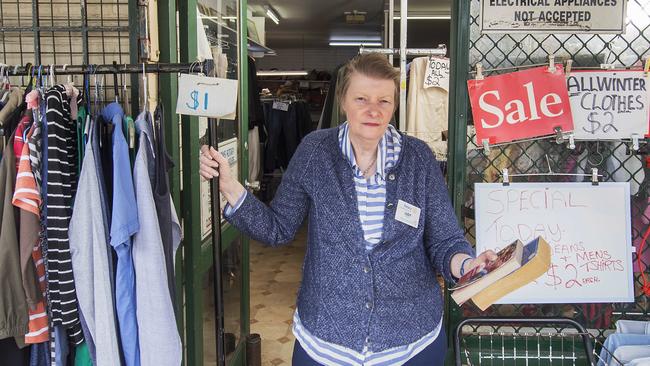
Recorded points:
40,354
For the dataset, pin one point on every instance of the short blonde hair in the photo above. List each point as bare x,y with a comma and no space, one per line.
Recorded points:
374,65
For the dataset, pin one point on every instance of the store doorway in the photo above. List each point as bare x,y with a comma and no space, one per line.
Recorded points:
306,41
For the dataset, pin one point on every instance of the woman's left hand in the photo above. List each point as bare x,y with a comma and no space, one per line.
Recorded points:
481,260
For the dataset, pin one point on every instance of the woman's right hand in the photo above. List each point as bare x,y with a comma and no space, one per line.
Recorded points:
213,164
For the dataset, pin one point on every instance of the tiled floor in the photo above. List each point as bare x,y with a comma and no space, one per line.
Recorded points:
275,275
275,279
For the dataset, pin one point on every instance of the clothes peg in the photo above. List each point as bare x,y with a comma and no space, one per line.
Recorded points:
569,65
144,87
551,63
69,77
572,142
594,176
131,131
486,146
52,77
443,46
506,177
646,67
479,71
635,142
559,137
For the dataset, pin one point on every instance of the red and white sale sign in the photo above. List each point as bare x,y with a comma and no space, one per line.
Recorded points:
520,105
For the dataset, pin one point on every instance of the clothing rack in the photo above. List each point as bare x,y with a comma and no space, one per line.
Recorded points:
206,67
403,52
440,51
108,68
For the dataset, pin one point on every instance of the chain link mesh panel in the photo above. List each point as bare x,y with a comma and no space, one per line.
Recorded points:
74,32
614,159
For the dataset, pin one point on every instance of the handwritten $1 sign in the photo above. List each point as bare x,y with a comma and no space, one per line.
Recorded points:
206,96
609,105
520,105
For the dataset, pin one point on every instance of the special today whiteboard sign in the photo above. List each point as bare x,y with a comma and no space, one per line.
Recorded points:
553,16
588,228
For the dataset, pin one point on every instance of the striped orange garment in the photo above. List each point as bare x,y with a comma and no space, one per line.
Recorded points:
27,197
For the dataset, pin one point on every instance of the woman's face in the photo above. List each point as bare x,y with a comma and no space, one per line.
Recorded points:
369,105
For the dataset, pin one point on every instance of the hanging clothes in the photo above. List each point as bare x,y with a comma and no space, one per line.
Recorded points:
257,134
427,110
61,184
330,116
162,197
124,224
13,302
254,155
12,354
285,131
28,199
90,256
11,104
155,310
255,110
28,222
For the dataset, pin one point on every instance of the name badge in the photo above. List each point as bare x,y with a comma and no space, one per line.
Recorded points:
407,214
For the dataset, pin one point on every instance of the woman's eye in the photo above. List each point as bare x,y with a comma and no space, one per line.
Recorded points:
385,101
361,99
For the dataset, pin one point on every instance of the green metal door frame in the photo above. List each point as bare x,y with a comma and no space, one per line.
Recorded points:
168,96
243,174
197,254
190,200
458,101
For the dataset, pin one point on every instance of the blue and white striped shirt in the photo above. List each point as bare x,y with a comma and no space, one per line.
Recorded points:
371,197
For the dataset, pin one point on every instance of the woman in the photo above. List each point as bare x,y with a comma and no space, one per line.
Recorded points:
380,227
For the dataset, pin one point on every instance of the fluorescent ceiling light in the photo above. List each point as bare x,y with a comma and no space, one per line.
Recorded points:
217,18
423,17
274,17
355,38
355,44
282,73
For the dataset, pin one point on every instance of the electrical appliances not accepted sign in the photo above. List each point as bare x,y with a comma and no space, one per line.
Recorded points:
556,16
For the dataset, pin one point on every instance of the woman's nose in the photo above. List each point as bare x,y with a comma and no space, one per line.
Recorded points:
373,109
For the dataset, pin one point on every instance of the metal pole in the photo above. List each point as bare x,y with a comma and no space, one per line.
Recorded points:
112,69
37,32
84,31
217,286
440,51
387,20
403,19
391,27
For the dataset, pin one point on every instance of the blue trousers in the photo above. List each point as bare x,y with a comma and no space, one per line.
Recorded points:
433,355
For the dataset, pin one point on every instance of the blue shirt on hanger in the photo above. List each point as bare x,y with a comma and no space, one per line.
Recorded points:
124,224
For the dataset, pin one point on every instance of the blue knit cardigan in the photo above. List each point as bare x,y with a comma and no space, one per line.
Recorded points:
382,298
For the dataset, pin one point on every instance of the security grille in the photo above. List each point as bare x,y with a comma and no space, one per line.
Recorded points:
615,160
